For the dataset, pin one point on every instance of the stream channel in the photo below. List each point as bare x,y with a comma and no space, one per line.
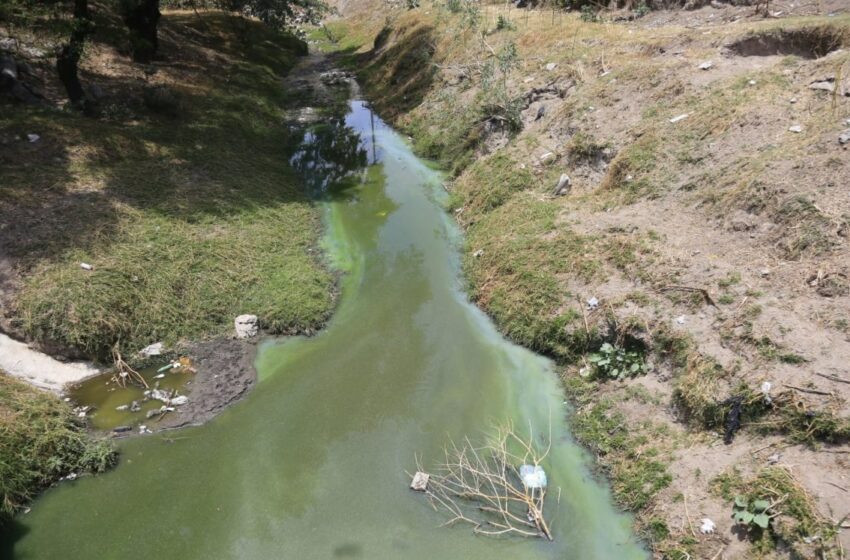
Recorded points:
313,463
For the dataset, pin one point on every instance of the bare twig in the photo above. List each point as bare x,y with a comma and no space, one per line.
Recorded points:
706,296
481,486
833,377
812,391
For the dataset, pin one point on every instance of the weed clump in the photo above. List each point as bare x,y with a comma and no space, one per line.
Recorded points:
41,440
786,513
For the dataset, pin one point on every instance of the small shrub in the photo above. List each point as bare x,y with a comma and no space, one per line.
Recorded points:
504,24
641,10
163,101
588,14
615,362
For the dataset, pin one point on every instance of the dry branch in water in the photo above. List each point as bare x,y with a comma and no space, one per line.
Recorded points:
482,486
124,372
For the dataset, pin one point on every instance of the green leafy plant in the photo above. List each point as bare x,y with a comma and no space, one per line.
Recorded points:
615,362
751,513
641,10
504,24
588,14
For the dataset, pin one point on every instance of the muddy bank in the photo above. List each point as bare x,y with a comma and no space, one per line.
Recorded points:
225,374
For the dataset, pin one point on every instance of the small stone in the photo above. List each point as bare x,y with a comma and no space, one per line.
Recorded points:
792,100
706,65
796,129
154,349
564,185
247,326
33,138
551,66
420,481
844,137
765,272
547,158
823,85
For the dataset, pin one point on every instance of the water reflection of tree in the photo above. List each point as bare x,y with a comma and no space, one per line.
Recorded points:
329,155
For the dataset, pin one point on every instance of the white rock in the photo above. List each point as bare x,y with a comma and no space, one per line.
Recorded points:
678,118
844,137
247,326
795,129
420,481
547,158
592,303
154,349
33,138
563,186
706,65
551,66
752,82
707,526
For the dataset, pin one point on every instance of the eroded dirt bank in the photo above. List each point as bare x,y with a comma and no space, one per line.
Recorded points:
673,185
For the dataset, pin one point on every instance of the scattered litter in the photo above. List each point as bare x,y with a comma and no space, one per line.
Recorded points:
680,319
86,266
420,481
33,138
765,390
752,82
168,366
478,253
180,400
144,430
528,79
71,476
605,73
707,526
532,476
706,65
795,129
681,117
844,137
82,411
547,158
773,459
765,272
592,303
159,376
121,429
154,349
793,100
551,66
122,408
135,406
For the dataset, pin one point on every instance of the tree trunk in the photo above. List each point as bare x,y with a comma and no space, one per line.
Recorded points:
142,17
69,57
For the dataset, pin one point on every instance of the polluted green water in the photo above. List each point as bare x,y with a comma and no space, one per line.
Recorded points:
124,405
313,463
